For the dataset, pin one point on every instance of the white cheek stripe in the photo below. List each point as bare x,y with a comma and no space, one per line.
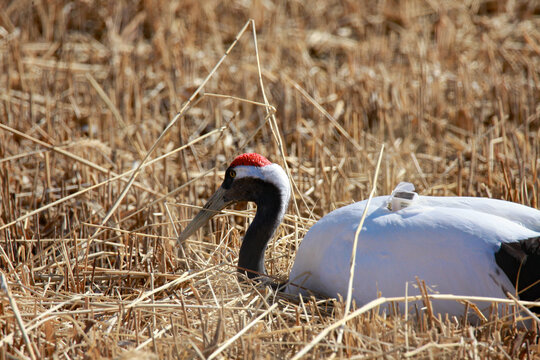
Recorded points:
272,173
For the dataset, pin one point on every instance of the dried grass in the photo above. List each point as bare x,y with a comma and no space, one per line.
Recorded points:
451,89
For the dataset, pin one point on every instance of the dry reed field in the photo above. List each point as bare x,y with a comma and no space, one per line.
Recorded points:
89,263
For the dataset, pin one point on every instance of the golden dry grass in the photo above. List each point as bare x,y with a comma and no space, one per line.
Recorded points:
86,88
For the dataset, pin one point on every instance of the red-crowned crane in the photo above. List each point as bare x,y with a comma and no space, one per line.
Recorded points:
457,245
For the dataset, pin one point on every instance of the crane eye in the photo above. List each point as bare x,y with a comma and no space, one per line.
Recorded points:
232,173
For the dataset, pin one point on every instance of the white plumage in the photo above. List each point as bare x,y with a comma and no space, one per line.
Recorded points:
457,245
449,242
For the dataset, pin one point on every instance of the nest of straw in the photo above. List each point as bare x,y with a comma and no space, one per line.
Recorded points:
88,259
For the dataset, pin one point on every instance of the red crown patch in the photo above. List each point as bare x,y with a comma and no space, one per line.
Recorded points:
252,159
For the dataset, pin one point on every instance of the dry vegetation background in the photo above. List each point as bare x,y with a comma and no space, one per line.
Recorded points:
86,87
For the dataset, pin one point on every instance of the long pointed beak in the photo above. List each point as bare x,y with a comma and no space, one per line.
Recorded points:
209,210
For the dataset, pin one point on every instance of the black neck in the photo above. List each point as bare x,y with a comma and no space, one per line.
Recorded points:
267,219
